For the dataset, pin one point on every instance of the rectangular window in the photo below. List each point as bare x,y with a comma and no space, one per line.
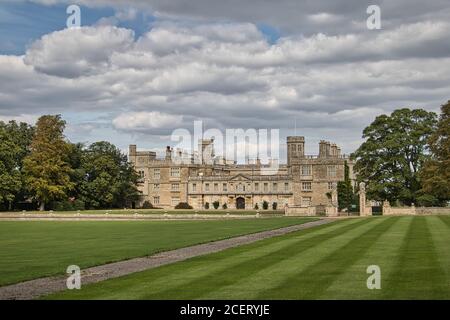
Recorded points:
330,185
266,187
156,187
155,200
306,170
331,171
175,187
225,187
156,174
216,187
194,187
286,187
207,187
257,187
175,172
306,186
175,201
275,187
306,201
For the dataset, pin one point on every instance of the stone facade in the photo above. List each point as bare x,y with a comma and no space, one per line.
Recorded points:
303,182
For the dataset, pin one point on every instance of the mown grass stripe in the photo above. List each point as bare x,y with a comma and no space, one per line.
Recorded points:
445,220
179,280
418,274
234,274
441,238
219,262
312,282
352,284
308,254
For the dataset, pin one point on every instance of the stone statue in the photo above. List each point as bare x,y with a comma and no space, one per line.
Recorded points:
362,187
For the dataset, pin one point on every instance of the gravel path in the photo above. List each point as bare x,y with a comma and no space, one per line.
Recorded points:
35,288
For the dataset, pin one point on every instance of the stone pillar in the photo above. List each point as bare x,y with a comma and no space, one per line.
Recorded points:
386,208
362,199
332,211
334,195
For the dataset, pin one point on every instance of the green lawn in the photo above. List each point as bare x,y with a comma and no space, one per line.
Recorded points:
326,262
31,249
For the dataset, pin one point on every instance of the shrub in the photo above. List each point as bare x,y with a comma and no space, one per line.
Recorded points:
207,205
68,205
183,205
216,205
147,205
256,207
265,205
274,206
224,206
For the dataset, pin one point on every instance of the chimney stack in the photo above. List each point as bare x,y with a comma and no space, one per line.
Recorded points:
168,153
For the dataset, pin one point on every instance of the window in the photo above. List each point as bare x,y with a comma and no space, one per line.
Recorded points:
306,186
306,201
306,170
194,187
141,174
207,187
331,171
156,187
330,185
257,187
286,187
175,172
175,201
275,187
216,187
156,174
175,187
266,187
224,187
155,200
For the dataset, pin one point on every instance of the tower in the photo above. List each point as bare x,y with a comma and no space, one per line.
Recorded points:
206,150
295,148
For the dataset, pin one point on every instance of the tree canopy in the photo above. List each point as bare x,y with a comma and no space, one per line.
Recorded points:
47,172
393,152
436,171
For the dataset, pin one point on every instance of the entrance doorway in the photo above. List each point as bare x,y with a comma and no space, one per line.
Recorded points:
240,203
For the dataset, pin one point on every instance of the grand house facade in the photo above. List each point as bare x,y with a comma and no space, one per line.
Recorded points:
304,181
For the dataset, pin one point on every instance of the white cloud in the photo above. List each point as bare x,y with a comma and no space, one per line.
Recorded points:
78,51
229,75
142,121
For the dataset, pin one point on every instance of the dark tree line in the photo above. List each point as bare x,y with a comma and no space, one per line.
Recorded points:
39,166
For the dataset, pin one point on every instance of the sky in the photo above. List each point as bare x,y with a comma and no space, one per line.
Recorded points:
137,70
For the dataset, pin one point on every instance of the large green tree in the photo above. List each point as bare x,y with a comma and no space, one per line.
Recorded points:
46,168
391,156
15,140
436,171
109,179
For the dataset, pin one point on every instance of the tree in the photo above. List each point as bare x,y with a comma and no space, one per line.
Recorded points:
216,205
15,140
435,174
346,194
393,152
47,172
109,179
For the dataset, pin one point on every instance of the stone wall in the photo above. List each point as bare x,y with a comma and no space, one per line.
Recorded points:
294,211
413,210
